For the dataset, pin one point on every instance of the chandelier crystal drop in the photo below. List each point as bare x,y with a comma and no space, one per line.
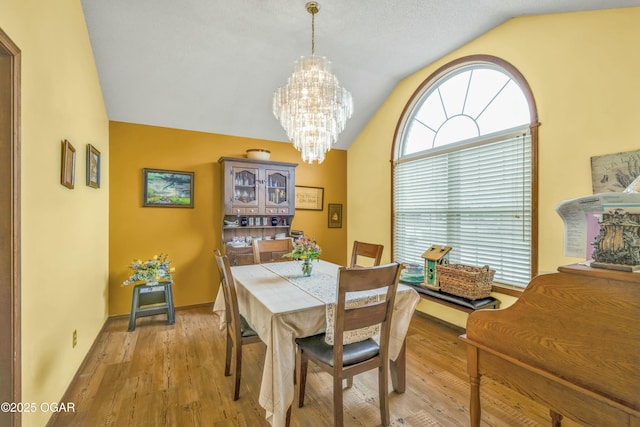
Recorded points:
312,108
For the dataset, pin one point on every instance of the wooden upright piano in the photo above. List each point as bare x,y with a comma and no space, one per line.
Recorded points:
571,342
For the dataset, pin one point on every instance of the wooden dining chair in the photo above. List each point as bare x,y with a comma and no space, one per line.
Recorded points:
367,250
344,361
239,332
271,250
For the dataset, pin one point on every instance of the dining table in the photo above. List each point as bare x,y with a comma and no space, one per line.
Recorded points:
281,304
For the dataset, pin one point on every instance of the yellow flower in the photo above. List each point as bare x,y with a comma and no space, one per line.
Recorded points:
157,267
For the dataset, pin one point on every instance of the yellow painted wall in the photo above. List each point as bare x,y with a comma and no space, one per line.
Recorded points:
581,67
64,232
189,236
583,71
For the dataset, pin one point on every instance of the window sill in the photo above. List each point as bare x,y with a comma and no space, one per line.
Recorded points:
501,288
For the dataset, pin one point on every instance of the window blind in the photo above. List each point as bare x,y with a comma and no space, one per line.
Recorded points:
476,200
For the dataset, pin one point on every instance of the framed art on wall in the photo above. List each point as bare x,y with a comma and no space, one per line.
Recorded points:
93,166
309,198
68,167
167,188
613,173
335,215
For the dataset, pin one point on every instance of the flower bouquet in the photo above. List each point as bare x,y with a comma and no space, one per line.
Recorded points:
150,271
304,250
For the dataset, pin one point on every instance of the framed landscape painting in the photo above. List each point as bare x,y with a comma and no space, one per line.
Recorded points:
167,188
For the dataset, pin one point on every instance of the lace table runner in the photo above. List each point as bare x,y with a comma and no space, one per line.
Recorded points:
325,287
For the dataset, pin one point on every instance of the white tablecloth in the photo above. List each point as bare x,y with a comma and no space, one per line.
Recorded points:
281,305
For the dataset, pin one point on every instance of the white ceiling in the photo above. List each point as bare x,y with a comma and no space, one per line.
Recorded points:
213,65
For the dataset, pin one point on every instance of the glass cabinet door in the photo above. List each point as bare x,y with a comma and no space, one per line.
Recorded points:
277,183
245,187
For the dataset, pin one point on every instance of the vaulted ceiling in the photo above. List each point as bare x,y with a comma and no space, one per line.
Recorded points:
213,65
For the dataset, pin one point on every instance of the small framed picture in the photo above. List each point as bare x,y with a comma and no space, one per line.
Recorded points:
93,166
68,168
309,198
335,215
167,188
613,173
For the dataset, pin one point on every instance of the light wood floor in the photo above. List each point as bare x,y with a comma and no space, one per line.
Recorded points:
161,375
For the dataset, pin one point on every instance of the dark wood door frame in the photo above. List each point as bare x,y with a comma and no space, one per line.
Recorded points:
10,354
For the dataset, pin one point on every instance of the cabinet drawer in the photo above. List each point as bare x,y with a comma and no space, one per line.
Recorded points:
281,211
245,211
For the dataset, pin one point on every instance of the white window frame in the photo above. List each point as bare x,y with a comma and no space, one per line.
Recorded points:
512,276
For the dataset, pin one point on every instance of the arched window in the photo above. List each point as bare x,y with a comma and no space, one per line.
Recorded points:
464,165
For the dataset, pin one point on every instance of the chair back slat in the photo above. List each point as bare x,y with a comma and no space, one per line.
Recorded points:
365,279
366,250
361,317
271,250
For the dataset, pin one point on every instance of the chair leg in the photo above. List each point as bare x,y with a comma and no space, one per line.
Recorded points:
556,418
227,362
383,386
303,362
349,382
338,420
237,371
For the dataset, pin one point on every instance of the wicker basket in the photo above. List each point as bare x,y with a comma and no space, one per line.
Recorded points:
465,281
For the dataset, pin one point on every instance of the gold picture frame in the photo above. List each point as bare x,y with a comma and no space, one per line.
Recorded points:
68,167
93,166
309,198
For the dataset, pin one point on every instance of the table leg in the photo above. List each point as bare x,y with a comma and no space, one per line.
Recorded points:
134,306
171,311
288,417
398,370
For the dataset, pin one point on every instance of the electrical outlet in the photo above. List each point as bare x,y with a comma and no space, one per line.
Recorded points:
75,338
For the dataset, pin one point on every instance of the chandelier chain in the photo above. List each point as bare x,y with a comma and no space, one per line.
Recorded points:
313,33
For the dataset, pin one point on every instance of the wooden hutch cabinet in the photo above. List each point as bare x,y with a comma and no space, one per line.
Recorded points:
258,201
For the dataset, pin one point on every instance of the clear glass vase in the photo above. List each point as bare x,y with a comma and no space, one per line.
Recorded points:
306,268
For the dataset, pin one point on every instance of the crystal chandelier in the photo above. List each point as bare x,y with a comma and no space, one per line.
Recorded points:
312,108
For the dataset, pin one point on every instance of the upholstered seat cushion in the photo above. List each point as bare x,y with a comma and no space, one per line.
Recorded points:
352,353
245,329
